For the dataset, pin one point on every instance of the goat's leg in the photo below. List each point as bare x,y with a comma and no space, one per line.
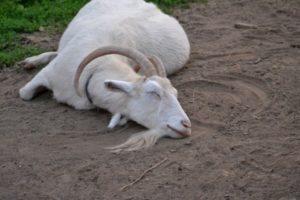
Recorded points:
34,86
41,59
115,120
123,121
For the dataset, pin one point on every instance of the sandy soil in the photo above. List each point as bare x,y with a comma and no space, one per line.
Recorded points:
240,88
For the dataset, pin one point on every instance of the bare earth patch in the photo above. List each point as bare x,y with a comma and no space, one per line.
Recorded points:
240,88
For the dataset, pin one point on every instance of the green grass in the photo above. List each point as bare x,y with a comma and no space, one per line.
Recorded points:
166,5
27,16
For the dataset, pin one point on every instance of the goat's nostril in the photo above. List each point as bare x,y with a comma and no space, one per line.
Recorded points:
186,124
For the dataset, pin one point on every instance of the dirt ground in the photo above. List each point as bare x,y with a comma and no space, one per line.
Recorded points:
241,90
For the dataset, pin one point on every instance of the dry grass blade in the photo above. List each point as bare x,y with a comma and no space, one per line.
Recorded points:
143,174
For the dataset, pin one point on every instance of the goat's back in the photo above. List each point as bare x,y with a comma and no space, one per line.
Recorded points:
131,23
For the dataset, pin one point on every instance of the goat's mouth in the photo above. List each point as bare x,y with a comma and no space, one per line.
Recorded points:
187,133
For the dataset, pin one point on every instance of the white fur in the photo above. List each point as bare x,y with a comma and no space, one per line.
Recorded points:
115,120
126,23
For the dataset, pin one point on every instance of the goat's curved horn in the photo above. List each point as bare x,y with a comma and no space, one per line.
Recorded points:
159,66
135,55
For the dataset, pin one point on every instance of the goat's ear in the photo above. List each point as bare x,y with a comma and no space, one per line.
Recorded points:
153,86
119,86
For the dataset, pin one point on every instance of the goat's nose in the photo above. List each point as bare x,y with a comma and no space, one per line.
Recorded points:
186,123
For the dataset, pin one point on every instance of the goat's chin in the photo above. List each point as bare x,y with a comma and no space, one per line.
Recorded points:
138,141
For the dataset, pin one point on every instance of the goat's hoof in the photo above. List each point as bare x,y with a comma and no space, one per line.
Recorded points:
25,94
27,64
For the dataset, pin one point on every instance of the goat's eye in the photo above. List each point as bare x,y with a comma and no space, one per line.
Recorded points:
155,94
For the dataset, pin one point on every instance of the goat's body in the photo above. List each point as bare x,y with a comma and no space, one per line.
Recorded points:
127,23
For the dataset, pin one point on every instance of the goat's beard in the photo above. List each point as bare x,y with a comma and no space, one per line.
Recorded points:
138,141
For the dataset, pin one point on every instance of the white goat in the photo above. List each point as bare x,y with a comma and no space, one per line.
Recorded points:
120,29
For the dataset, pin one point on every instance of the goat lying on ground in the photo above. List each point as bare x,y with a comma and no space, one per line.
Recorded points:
103,40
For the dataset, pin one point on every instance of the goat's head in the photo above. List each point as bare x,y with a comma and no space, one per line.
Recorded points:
152,101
